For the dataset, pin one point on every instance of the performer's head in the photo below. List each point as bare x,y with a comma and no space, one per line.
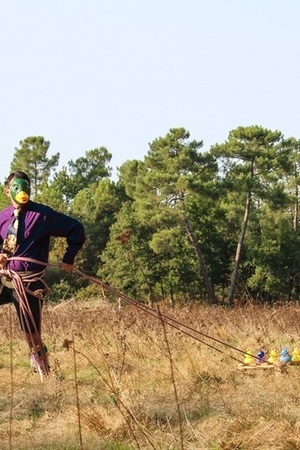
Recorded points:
17,187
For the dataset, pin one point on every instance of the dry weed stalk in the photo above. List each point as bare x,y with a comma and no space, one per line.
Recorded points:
10,432
76,389
172,378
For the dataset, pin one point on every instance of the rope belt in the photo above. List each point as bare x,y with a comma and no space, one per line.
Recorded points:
26,278
14,280
20,282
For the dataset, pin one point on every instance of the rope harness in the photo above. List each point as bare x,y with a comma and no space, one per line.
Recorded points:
19,282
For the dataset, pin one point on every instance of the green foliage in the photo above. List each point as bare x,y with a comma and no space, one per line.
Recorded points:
82,173
61,291
97,206
4,201
127,261
274,257
49,195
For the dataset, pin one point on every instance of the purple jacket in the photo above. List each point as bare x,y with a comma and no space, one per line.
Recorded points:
37,223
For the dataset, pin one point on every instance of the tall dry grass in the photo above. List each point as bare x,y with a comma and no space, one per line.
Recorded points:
141,385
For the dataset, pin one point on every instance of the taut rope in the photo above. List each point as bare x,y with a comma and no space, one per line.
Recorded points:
17,282
183,328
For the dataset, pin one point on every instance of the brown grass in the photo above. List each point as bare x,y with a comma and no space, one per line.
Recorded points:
134,379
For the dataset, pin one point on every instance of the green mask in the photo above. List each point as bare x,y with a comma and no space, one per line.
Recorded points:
20,191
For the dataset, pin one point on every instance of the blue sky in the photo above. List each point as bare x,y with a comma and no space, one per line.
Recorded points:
121,73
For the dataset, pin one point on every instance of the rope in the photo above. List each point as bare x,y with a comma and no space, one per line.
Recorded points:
19,281
183,328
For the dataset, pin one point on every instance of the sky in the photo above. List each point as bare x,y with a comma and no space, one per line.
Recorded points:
119,74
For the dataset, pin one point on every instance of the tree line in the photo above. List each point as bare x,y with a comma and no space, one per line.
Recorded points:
182,224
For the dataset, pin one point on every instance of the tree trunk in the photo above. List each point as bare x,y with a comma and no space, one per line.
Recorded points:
208,287
239,250
296,212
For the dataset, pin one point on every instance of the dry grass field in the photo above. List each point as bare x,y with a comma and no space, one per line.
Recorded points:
122,380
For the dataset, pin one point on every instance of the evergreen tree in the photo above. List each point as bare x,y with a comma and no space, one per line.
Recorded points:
173,171
251,162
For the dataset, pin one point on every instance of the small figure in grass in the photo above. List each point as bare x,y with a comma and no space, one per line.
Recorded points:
248,357
285,356
273,357
296,354
261,356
